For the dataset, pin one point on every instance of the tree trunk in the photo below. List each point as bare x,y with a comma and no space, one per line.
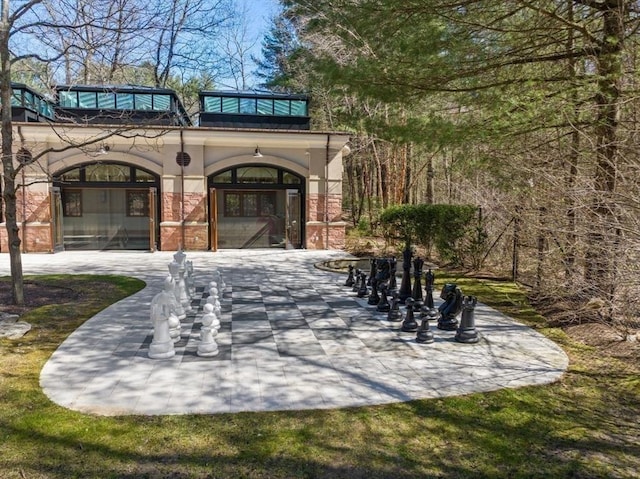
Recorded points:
9,186
599,264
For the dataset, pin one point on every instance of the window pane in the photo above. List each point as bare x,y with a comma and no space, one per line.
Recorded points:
107,101
72,203
257,174
16,98
229,105
143,101
281,107
267,203
87,99
250,204
68,99
224,177
298,108
28,100
248,106
137,203
108,172
124,101
212,104
46,109
265,107
144,177
161,102
290,178
71,175
231,204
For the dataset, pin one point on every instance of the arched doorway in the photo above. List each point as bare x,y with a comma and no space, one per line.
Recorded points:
108,205
256,206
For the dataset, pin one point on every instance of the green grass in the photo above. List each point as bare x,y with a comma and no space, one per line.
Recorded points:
584,426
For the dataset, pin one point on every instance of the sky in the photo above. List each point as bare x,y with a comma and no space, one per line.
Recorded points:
259,15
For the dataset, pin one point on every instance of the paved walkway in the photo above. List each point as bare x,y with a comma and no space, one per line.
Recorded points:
292,338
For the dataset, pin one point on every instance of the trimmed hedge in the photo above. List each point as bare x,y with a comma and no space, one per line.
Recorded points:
448,228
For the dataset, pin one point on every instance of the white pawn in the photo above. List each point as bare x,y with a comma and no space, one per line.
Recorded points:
207,346
162,309
174,269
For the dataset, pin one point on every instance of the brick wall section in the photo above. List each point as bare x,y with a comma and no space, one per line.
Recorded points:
38,239
38,207
194,207
195,237
317,236
316,206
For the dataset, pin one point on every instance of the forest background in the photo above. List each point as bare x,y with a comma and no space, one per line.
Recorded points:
526,110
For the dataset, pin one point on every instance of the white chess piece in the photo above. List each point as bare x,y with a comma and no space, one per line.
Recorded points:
207,346
162,309
174,269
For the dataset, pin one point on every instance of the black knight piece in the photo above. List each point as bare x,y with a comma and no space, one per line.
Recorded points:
383,303
393,264
451,307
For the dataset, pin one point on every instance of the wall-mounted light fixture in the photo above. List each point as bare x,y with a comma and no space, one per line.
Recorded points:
104,149
257,154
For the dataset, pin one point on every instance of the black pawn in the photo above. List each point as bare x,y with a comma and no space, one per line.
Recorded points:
356,283
383,304
374,297
394,311
349,282
363,290
425,336
409,324
466,332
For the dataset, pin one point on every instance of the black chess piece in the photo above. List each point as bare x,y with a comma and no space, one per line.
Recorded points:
372,273
356,283
424,335
383,304
349,282
405,285
429,279
451,307
393,286
416,293
466,332
374,297
363,290
394,311
409,324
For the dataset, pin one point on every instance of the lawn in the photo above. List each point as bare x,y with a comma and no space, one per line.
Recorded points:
584,426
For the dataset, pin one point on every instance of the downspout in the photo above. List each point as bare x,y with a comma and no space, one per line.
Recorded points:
326,192
182,234
24,213
24,202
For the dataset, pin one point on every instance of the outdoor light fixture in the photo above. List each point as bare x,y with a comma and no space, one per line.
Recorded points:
257,153
104,149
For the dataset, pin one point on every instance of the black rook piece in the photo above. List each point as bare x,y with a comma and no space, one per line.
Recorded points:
451,307
467,333
409,324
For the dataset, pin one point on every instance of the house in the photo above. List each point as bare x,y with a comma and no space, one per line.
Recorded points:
124,168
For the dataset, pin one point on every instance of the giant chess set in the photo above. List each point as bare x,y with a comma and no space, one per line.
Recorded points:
195,321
